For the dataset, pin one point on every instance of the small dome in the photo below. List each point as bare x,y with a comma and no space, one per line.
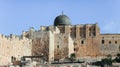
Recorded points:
62,20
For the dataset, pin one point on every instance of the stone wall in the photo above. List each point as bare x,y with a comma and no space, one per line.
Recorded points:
70,46
86,42
88,48
51,46
110,44
61,46
13,46
58,42
40,45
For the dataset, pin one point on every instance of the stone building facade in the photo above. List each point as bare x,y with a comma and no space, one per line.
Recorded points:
13,46
59,42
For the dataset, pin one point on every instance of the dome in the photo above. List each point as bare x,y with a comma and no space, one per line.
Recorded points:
62,20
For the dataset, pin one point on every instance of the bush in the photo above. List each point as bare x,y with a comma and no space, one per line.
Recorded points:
107,61
72,57
117,59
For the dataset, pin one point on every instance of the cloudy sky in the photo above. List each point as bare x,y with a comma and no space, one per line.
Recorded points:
19,15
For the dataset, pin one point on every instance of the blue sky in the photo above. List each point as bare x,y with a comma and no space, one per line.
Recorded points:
19,15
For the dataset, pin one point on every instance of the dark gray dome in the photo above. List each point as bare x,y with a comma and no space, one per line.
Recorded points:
62,20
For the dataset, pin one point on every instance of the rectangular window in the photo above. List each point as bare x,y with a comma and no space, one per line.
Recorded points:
57,46
82,42
109,42
103,41
115,42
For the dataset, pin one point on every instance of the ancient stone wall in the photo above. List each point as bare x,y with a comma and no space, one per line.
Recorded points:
110,44
58,42
61,46
88,47
13,46
51,46
40,45
70,46
86,42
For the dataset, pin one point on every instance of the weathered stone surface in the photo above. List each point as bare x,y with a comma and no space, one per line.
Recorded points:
40,47
58,42
15,47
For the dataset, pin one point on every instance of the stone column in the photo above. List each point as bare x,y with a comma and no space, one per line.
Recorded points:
51,46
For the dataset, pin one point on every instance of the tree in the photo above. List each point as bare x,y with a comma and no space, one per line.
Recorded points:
72,57
117,59
107,60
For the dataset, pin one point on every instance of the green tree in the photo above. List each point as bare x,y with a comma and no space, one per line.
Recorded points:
107,60
117,59
72,57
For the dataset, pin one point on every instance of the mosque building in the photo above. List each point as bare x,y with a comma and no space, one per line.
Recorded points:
59,42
